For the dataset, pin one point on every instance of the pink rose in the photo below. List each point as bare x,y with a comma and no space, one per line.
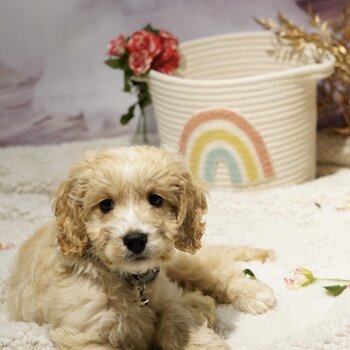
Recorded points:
168,49
139,62
167,61
117,47
163,34
144,41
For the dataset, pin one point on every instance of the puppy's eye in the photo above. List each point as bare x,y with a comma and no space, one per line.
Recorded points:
106,205
155,200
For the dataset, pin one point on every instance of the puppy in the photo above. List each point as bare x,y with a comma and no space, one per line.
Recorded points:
115,269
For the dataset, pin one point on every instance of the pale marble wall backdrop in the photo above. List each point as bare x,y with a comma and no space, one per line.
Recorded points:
53,83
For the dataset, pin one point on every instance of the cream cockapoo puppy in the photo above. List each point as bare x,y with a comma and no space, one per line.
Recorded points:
115,269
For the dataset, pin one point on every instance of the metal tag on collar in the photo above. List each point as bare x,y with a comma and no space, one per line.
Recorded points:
144,300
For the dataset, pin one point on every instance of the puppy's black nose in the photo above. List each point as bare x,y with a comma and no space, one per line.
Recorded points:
135,242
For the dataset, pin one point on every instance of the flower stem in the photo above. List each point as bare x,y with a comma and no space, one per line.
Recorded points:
332,280
140,136
144,128
138,79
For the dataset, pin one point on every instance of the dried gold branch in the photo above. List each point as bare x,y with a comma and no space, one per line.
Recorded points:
327,37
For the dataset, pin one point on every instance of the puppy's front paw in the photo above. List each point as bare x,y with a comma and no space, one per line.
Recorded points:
204,338
251,296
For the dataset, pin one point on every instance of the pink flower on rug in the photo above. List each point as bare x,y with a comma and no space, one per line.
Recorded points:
5,246
117,47
301,277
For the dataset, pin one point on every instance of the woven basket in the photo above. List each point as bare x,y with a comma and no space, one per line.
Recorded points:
240,117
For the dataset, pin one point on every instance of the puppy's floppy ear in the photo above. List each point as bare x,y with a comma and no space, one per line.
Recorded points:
72,238
192,206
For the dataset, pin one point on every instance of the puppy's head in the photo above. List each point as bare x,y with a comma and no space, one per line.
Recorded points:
129,207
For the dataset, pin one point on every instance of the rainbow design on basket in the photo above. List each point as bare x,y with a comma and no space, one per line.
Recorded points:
220,136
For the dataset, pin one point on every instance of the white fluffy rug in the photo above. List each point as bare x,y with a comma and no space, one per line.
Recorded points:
307,224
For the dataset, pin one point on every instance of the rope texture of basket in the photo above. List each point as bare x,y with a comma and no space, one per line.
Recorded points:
241,118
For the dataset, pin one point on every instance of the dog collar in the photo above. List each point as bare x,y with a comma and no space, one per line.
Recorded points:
149,276
139,281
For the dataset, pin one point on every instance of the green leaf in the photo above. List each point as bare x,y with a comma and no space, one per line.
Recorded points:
335,290
143,95
125,118
127,81
124,61
149,28
144,103
114,63
249,274
118,62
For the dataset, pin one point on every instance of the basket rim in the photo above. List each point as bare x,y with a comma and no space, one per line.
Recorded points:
312,71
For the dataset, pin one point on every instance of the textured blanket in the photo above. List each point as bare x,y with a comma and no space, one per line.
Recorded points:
306,224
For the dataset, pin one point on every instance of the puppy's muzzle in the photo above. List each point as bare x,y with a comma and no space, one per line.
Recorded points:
135,242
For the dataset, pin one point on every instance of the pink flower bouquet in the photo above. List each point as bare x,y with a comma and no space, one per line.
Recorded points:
136,55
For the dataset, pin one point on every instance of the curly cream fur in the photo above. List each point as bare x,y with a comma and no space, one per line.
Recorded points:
68,274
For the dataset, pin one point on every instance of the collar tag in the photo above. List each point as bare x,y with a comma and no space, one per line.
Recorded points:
140,281
144,300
